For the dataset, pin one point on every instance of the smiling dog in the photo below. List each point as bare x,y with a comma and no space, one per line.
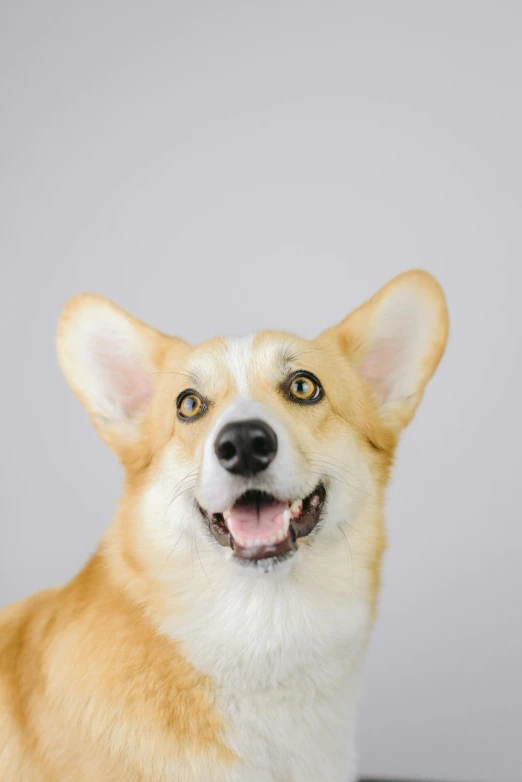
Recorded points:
218,633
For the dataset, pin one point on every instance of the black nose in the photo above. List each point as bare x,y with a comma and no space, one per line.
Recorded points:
246,447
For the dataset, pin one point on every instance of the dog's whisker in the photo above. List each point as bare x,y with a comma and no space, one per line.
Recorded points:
171,552
337,469
333,460
191,474
202,567
335,477
350,553
188,478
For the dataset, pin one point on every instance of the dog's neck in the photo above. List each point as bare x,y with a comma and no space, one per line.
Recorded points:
248,630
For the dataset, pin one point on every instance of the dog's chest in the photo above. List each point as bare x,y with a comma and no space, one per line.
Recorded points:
302,732
286,677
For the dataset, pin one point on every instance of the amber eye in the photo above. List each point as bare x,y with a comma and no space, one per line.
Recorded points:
304,388
190,405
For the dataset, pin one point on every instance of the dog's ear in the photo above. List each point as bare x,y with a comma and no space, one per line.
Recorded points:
110,359
395,341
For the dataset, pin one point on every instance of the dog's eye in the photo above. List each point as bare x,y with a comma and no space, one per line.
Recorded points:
190,405
305,388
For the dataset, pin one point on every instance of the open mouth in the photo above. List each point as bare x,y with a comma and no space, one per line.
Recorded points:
260,528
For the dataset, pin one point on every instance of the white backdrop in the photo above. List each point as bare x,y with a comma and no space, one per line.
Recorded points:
222,167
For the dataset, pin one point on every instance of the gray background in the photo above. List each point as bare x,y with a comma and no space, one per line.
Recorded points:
222,167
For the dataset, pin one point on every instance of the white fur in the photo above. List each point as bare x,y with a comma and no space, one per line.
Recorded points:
285,660
284,649
238,359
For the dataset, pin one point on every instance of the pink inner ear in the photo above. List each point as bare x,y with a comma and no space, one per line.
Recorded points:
131,385
124,380
379,366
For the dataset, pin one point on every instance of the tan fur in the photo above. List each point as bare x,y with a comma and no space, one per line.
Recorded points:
89,687
57,648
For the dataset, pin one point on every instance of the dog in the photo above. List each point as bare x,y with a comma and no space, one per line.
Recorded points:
218,632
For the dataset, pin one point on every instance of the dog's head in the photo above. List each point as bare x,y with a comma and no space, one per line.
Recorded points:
263,447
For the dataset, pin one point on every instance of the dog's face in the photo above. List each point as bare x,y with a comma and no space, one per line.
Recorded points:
262,449
264,445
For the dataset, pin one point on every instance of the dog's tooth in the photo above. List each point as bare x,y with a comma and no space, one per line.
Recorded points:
286,519
296,507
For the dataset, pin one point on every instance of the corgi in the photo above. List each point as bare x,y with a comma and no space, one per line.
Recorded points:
218,633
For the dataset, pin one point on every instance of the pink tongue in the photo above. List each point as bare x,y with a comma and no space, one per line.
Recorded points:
248,523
